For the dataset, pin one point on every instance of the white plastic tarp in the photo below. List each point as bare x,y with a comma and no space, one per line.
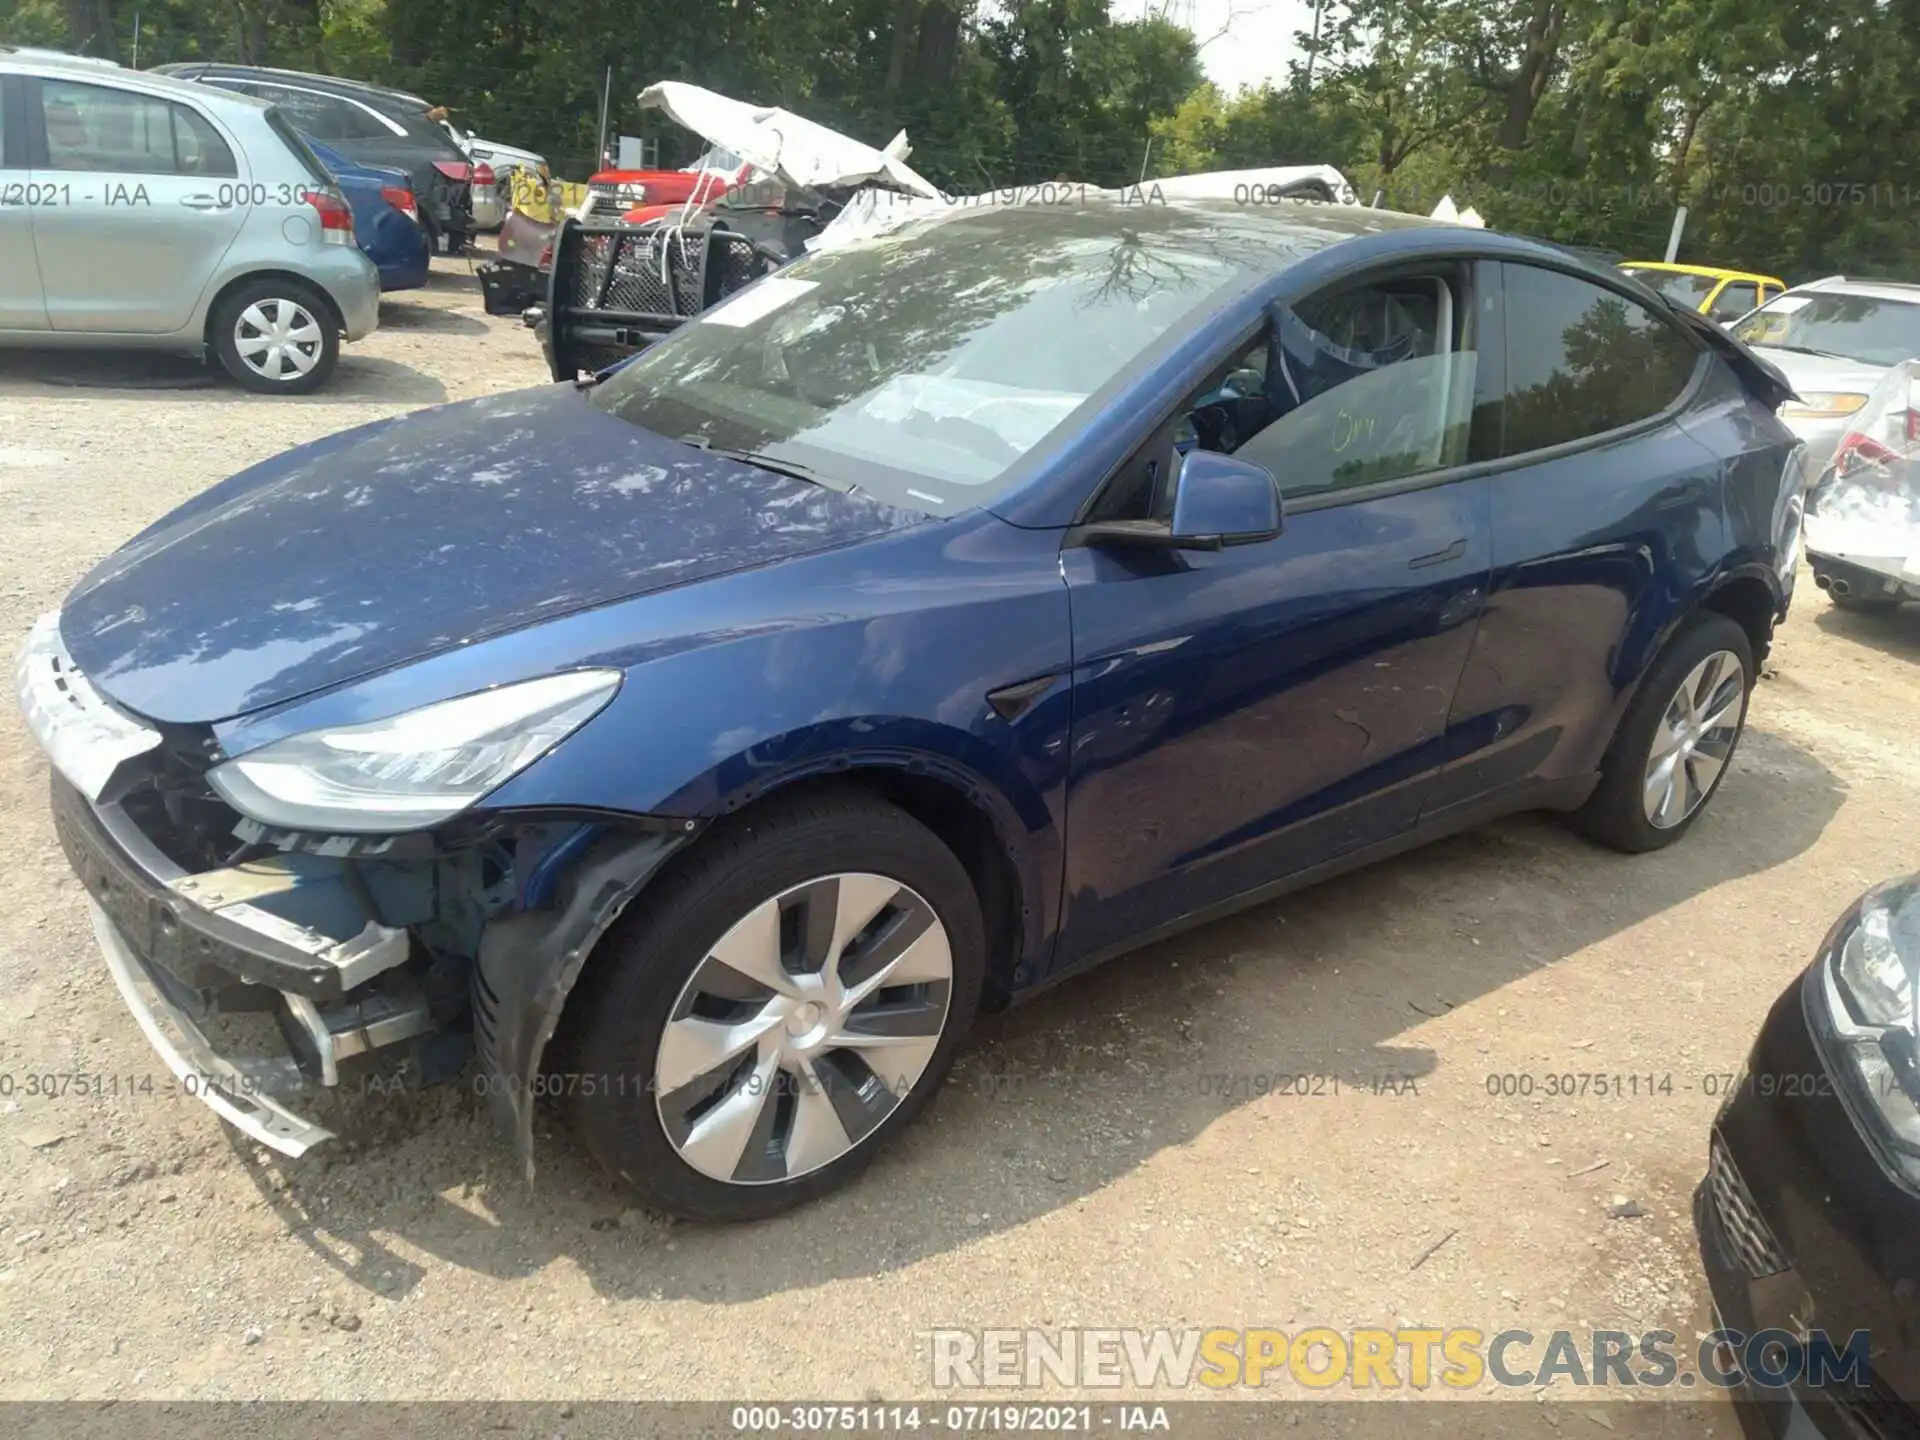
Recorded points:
871,213
790,147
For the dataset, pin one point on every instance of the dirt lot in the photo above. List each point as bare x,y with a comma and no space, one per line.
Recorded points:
1087,1166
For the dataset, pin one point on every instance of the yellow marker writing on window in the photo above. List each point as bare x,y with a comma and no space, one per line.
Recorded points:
1349,428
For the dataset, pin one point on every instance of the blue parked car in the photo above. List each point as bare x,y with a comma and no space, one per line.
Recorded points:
386,217
930,620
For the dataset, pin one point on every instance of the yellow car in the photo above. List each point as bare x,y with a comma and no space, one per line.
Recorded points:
1723,296
536,196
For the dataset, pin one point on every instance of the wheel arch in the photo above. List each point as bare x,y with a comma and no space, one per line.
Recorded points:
268,272
1751,602
532,962
972,817
1748,594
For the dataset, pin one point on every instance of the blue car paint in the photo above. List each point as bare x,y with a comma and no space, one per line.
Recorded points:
1246,713
540,505
737,688
1208,722
395,243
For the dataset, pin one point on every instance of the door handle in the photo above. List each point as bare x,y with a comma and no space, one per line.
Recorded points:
1439,557
201,202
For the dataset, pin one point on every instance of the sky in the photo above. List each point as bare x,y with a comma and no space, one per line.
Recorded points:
1258,43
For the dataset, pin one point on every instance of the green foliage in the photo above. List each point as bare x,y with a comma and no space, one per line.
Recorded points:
1787,128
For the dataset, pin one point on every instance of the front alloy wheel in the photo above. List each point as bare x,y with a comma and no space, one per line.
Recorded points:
1695,739
799,1033
775,1008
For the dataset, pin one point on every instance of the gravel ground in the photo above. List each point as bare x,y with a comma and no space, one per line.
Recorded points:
1087,1165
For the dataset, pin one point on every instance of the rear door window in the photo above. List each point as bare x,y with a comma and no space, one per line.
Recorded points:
1734,300
1583,360
357,122
102,129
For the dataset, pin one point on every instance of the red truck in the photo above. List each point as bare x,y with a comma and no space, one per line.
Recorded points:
656,192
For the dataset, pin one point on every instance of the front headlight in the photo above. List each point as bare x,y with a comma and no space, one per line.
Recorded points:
411,771
1870,981
1824,405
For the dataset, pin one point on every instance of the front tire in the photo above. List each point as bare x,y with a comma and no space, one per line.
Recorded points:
776,1011
1676,740
276,336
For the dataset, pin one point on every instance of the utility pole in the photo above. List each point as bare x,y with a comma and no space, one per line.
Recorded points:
1673,238
136,39
606,100
1313,46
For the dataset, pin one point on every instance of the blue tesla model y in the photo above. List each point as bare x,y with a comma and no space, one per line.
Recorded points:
700,747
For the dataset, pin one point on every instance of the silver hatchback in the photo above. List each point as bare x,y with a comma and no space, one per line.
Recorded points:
138,210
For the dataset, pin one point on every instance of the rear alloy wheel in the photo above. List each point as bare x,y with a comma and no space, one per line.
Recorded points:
1695,739
1677,739
775,1009
276,337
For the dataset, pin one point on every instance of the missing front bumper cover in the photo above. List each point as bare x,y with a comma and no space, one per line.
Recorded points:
242,1095
183,947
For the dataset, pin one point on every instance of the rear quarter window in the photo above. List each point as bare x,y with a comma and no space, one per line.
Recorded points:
1583,360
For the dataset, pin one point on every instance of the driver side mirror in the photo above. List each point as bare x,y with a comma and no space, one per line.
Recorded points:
1217,501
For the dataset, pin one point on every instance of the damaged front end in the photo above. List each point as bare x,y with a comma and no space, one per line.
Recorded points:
263,964
1863,514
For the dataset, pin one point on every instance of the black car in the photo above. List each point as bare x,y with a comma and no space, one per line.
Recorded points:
368,124
1809,1218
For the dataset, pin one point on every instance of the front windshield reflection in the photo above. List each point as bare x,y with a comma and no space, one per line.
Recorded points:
928,364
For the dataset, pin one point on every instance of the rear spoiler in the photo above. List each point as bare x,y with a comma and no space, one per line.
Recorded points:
1764,380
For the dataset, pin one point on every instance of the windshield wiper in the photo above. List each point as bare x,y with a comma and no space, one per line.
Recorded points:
1808,350
759,459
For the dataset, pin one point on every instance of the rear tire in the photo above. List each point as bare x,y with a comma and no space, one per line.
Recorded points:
737,1053
276,336
1676,741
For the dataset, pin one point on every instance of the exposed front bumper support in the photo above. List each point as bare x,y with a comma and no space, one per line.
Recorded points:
239,1096
182,946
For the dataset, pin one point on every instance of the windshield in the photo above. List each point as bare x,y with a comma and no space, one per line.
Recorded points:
1688,290
926,365
715,158
1867,328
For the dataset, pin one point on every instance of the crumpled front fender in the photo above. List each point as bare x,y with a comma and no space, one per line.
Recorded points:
529,962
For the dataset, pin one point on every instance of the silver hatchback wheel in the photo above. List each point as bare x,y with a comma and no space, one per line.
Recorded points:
278,339
803,1028
1695,739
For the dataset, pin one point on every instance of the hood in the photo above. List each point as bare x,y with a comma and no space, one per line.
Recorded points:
786,146
403,538
1822,372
